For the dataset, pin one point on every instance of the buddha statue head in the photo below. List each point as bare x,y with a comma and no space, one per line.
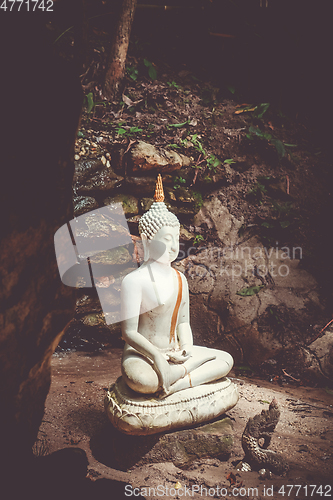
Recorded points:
159,229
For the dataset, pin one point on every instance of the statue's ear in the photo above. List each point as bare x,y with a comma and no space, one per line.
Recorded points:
145,247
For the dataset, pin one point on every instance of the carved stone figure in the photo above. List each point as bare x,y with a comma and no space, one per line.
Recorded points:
159,357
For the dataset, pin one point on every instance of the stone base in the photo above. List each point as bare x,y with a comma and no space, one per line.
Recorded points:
137,414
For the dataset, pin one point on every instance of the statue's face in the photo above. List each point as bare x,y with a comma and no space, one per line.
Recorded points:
164,247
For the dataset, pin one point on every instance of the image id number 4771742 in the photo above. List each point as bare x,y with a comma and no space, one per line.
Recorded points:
26,5
311,490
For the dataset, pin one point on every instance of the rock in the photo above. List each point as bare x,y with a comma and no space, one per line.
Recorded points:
213,440
146,157
200,279
146,203
130,203
141,186
92,176
185,235
184,195
93,320
133,224
182,448
252,327
184,213
115,257
99,230
87,304
85,169
83,204
318,356
215,215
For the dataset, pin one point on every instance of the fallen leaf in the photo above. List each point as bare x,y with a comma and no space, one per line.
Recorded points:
232,478
129,101
247,292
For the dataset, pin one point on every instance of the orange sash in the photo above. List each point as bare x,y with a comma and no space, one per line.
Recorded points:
176,309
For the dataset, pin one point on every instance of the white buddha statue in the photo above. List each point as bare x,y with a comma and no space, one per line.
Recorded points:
159,356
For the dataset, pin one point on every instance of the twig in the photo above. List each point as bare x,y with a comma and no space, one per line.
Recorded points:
287,179
321,331
290,376
129,146
195,177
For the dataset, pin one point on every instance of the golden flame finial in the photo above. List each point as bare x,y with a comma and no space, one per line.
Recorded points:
159,193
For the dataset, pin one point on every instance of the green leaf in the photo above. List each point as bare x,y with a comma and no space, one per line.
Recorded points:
80,134
178,125
290,145
90,101
284,223
264,401
329,391
135,130
279,147
262,187
247,292
231,89
244,368
229,161
267,224
198,239
132,72
121,131
151,70
255,130
174,146
173,84
261,109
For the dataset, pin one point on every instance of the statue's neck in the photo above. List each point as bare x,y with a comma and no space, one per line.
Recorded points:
159,265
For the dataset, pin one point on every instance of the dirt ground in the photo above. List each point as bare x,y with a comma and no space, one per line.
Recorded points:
74,417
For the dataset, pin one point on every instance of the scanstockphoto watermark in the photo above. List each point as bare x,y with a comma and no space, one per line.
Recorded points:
240,261
237,492
189,491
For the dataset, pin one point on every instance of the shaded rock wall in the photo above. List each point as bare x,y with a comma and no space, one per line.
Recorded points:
40,114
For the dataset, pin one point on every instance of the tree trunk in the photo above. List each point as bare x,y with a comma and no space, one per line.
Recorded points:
118,52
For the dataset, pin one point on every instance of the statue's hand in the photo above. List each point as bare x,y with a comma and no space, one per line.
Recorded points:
180,356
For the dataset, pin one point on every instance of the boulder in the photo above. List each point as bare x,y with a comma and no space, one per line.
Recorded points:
318,356
129,203
91,176
83,204
243,296
182,448
146,157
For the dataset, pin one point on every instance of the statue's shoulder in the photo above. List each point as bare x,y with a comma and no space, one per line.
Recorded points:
134,277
